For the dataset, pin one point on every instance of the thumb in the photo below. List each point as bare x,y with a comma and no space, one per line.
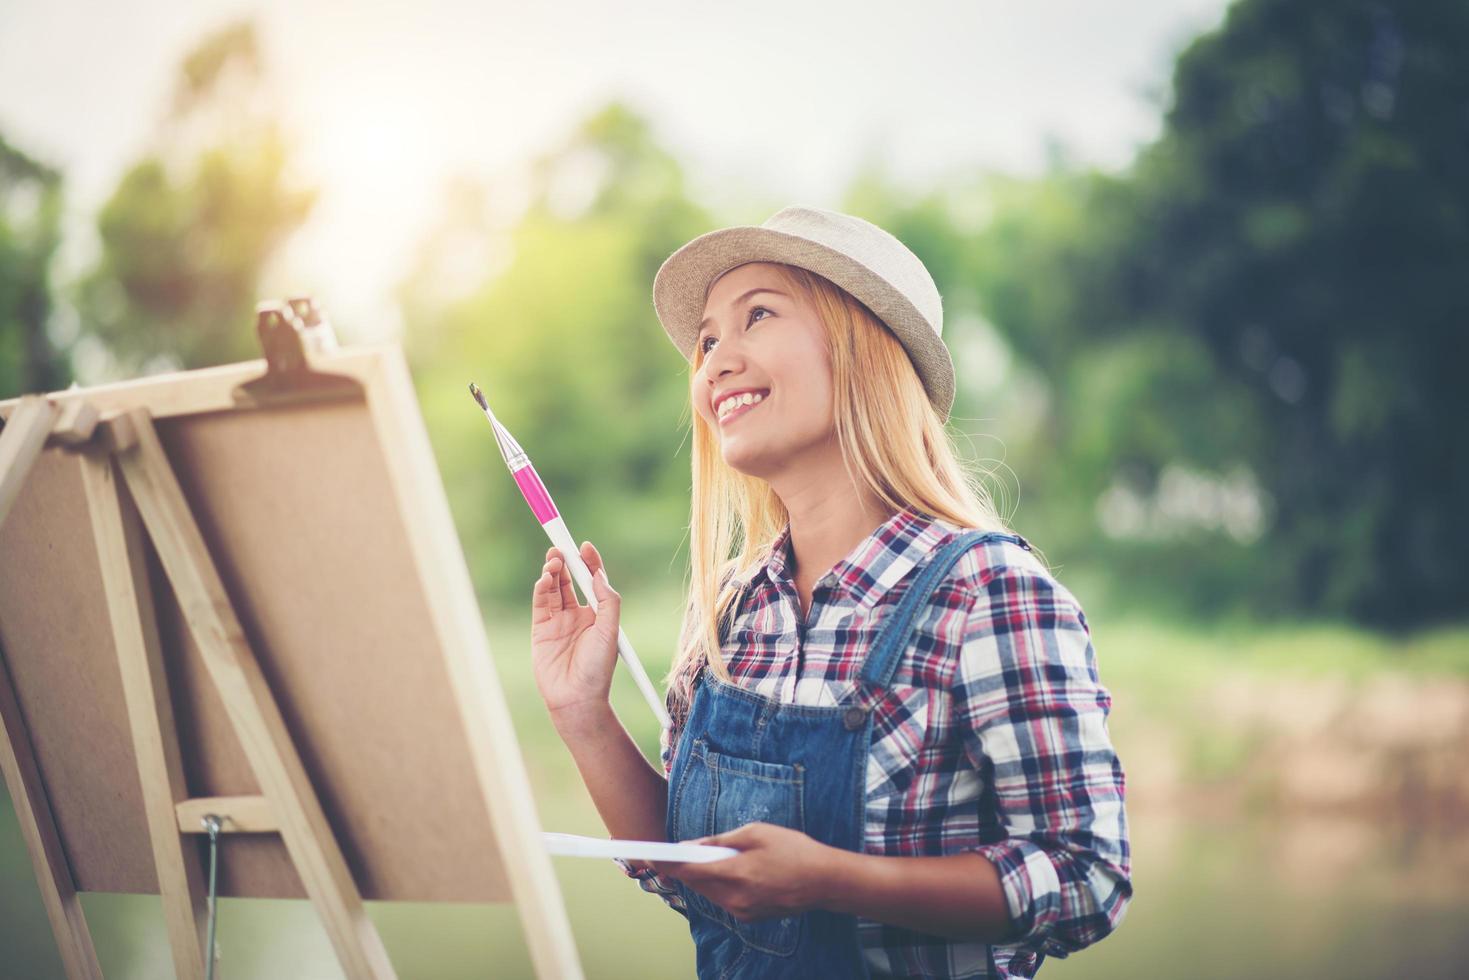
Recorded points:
591,556
741,838
608,601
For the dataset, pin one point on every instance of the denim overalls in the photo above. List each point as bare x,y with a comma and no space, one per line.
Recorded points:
743,757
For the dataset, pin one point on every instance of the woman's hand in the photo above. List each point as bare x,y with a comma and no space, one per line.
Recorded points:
573,647
778,872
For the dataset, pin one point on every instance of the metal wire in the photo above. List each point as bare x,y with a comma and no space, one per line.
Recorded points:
212,824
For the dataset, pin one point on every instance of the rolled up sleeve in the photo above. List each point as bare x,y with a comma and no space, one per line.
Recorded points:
1033,716
650,882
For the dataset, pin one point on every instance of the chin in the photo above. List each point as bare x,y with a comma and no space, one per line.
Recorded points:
757,465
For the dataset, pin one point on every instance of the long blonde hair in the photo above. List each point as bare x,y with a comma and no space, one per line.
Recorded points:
893,443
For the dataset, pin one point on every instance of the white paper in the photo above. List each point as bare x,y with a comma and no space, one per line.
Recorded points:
572,845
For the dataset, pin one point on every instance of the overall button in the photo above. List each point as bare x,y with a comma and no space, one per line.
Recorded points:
855,718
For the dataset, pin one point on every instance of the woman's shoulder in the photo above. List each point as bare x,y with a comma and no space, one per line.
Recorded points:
995,564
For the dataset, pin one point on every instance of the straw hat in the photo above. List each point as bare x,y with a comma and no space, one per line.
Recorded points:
857,255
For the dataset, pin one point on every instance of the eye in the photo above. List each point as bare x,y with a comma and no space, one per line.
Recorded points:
703,344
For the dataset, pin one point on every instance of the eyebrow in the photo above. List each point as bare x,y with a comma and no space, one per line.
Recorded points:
740,299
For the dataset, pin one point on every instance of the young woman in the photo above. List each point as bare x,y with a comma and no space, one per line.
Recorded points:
884,701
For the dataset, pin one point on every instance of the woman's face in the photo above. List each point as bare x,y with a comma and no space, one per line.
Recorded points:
759,337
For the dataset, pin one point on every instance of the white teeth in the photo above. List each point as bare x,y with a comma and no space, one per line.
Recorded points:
735,401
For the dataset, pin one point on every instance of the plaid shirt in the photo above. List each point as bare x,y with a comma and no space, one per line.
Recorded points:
992,738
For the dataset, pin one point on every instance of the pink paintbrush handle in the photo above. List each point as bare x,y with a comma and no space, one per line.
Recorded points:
535,494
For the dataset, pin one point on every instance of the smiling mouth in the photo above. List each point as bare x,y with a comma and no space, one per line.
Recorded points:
742,410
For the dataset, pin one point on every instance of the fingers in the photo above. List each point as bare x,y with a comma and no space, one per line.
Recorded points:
556,576
547,593
553,588
563,575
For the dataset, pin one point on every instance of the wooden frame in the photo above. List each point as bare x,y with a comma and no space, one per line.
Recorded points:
133,498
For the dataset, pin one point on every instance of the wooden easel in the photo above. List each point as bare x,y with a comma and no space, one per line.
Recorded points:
123,450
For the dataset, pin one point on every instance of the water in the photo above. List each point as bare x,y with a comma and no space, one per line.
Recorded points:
1304,897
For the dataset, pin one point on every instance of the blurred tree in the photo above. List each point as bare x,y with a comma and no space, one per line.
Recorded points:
560,332
1278,280
1307,215
30,230
191,226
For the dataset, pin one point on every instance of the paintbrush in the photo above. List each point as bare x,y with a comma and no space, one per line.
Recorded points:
536,495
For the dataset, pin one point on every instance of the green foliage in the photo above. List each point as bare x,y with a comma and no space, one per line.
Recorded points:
565,343
1277,283
1306,215
190,227
1268,304
30,231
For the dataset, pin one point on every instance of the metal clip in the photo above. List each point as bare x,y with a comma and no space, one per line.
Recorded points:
290,330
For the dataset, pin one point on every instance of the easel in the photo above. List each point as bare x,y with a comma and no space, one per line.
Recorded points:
131,491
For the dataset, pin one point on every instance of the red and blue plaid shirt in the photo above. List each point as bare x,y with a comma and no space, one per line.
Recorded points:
993,740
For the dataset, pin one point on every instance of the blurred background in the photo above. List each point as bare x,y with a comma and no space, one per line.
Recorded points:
1206,281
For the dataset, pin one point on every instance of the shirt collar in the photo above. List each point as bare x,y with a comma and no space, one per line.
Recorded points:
876,564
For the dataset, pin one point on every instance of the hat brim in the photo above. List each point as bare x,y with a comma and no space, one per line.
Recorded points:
682,285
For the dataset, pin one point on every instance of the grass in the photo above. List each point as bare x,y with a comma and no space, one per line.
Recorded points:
1158,669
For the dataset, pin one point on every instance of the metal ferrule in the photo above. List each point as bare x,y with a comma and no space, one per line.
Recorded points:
515,457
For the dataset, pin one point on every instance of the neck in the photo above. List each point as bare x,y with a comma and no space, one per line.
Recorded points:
829,517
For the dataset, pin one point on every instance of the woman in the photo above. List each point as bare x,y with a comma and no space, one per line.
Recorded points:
885,702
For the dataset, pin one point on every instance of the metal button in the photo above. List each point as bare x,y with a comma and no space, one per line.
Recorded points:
855,718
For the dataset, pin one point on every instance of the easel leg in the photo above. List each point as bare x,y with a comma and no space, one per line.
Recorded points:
21,440
121,556
252,708
58,892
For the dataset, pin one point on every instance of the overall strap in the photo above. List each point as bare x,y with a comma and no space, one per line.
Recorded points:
882,658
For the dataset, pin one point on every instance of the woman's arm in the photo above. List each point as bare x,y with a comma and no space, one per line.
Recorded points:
630,794
780,872
957,896
574,650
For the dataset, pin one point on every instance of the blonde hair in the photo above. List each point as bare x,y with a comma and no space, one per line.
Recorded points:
893,443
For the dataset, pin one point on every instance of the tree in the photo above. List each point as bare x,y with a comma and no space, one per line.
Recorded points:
191,226
1310,205
562,336
1279,279
30,230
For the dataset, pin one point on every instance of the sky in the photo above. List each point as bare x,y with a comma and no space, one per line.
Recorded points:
766,103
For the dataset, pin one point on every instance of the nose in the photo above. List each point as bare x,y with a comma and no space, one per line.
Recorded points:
722,360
